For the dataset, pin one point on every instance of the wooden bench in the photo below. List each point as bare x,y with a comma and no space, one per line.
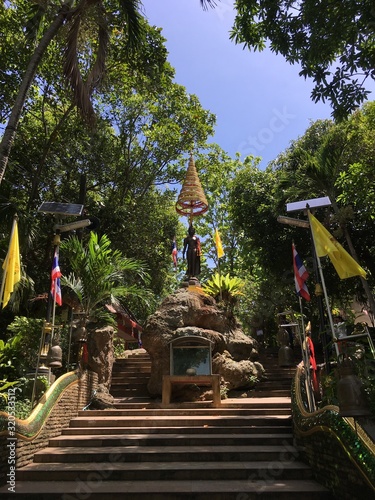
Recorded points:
210,380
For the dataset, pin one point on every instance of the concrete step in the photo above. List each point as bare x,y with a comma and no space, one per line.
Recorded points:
139,390
99,488
133,401
172,421
130,377
150,431
151,471
172,439
214,453
131,369
271,393
129,392
134,377
130,384
139,450
251,410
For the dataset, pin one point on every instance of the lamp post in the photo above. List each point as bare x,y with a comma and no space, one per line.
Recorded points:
47,337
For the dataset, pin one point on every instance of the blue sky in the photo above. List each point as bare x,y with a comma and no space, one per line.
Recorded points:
260,101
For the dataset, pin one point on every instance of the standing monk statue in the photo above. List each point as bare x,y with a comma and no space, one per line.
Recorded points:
193,256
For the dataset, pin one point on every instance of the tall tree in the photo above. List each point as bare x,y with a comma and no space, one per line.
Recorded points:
76,15
146,125
334,42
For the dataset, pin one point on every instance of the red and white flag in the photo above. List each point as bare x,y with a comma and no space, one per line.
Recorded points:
55,276
174,252
300,275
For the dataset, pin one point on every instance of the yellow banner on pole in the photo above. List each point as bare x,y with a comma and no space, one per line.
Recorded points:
11,266
326,244
219,246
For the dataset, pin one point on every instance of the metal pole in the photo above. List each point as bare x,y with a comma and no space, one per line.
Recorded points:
328,307
70,336
306,361
37,368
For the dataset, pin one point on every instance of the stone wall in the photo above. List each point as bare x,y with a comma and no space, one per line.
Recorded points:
61,403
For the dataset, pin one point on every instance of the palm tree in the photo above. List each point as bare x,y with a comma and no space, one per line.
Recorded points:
74,13
101,276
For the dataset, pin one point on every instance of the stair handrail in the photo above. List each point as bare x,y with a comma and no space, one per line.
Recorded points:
29,428
349,433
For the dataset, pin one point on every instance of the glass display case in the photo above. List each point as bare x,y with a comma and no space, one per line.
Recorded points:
191,355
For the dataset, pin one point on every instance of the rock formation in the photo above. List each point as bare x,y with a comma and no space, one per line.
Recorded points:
188,312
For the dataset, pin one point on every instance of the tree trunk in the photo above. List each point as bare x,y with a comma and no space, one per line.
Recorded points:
10,130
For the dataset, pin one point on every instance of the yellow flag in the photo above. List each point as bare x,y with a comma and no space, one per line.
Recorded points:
219,246
11,266
326,244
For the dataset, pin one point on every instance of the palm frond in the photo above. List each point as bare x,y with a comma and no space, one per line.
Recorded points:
73,73
208,3
75,285
34,21
100,274
95,76
131,10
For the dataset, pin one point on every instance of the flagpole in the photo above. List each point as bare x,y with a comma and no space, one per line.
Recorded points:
5,264
306,361
218,268
324,289
217,239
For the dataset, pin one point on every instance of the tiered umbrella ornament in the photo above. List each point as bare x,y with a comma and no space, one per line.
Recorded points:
191,201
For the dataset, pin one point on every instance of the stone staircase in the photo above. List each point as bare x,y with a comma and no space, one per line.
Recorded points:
243,450
130,377
277,380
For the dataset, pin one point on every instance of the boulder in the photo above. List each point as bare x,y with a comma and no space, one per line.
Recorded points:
190,313
240,374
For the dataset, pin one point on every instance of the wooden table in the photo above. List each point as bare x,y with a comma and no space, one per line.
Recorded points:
210,380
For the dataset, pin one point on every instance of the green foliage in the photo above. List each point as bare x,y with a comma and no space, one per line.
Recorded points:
334,46
224,288
101,275
253,380
146,125
21,408
4,386
119,347
19,354
21,404
329,383
223,391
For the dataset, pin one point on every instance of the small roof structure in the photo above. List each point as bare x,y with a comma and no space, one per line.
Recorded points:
127,327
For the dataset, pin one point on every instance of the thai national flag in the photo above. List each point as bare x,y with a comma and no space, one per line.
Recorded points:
300,275
55,276
174,253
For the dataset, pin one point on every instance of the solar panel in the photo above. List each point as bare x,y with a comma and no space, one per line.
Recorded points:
53,207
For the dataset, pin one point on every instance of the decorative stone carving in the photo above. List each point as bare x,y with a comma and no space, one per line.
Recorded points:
101,354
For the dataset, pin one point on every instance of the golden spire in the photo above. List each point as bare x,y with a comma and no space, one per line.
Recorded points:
191,200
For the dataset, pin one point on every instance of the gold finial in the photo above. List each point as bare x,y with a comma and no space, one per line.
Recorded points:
191,200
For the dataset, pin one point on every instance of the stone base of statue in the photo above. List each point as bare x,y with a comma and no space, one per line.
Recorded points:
186,313
193,281
190,281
